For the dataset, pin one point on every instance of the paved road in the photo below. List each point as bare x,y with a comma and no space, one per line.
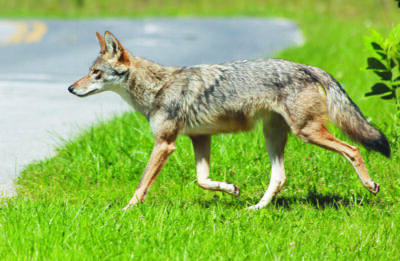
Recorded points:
39,59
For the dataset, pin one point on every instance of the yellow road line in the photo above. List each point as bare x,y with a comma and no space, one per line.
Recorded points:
22,30
23,33
39,30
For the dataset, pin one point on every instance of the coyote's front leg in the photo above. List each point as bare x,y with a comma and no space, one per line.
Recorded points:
163,148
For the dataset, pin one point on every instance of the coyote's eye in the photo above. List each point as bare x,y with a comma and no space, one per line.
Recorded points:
97,73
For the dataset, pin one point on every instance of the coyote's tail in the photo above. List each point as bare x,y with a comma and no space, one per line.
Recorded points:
348,117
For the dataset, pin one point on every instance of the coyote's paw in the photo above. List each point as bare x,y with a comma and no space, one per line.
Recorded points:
255,207
127,207
236,191
134,201
375,188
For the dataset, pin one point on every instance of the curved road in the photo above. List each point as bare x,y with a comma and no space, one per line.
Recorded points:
40,59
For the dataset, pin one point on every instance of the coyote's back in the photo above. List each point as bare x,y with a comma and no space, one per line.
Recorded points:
232,96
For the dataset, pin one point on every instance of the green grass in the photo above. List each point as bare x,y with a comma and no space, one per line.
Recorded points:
69,206
382,11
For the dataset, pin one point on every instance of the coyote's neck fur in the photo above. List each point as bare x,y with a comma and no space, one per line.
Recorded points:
145,80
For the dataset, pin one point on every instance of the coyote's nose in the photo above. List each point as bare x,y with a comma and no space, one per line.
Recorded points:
71,89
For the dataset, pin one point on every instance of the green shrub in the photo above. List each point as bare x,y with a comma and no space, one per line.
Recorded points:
385,63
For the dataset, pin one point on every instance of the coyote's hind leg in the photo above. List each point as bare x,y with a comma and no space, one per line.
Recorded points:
202,146
275,133
317,134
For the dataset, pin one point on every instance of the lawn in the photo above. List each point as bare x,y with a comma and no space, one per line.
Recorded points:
69,206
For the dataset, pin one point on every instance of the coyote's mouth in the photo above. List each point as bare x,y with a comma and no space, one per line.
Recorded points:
86,94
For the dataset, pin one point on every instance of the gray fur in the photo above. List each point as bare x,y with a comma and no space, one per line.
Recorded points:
242,90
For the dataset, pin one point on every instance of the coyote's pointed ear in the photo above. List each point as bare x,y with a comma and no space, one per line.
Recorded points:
102,42
114,48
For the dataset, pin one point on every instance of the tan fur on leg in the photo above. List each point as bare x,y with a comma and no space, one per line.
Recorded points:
161,152
317,134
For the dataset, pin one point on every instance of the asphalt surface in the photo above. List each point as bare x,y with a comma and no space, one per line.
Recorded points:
40,59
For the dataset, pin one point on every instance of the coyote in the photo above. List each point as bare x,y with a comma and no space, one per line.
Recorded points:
203,100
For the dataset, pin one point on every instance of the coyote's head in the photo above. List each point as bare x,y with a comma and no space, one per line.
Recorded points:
108,72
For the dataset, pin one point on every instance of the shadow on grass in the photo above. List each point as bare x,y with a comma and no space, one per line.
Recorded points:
319,201
311,199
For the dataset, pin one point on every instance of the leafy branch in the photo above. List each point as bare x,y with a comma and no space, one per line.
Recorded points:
385,63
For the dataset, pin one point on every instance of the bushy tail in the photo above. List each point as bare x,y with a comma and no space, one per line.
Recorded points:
348,117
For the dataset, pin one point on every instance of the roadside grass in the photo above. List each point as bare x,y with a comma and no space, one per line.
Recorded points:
69,206
382,10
